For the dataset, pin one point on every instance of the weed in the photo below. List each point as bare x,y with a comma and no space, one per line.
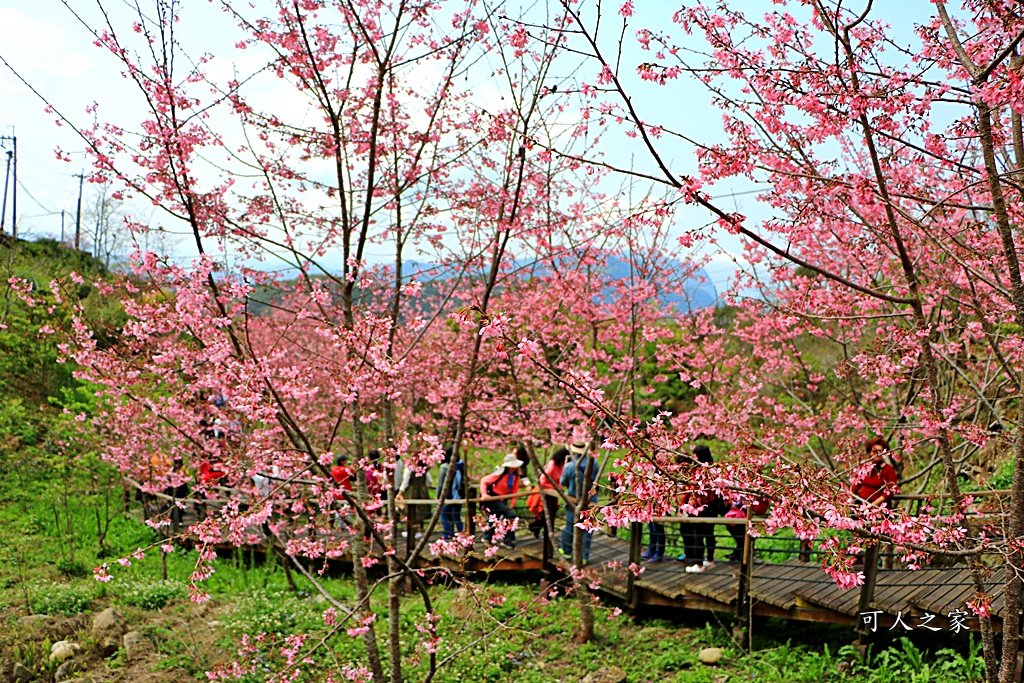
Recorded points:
149,594
60,598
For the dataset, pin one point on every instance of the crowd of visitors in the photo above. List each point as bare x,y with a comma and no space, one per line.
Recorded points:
570,473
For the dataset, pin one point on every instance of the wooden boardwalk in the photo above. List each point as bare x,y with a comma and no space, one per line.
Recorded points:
793,589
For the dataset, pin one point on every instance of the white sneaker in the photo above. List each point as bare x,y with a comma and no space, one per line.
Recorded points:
698,568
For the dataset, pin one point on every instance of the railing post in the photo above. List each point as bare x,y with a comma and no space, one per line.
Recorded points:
746,573
867,591
805,551
636,534
472,492
545,558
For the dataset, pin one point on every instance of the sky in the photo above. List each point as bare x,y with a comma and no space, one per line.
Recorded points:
51,49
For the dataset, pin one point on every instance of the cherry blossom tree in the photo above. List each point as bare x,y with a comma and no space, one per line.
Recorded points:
281,345
887,261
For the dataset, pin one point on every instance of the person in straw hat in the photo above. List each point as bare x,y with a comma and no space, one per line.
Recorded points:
574,485
504,480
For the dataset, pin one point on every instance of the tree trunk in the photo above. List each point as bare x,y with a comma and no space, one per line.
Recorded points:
586,632
359,549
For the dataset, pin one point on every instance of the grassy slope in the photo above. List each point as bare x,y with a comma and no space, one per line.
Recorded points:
535,646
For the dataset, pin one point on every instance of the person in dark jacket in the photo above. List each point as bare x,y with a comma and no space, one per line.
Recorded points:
451,513
711,505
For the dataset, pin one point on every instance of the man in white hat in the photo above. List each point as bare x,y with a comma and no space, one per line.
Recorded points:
572,482
503,481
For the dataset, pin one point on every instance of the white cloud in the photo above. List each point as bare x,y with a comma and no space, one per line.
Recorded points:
40,46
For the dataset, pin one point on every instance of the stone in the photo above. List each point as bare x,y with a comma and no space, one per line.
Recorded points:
134,643
21,673
35,621
63,649
108,645
606,674
710,655
109,622
66,670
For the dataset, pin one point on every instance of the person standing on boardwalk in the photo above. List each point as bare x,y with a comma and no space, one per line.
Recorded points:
451,513
504,480
686,530
415,486
578,485
550,479
711,505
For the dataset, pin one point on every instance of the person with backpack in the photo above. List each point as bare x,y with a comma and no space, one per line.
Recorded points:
504,480
451,513
545,507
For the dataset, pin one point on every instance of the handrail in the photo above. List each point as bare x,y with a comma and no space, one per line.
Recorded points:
459,501
706,520
930,496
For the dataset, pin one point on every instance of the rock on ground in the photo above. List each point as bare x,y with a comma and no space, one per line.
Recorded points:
108,622
606,674
21,673
36,621
710,655
63,649
134,644
66,670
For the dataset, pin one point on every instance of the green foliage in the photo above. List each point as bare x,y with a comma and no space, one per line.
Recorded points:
72,568
275,613
149,594
60,598
1003,478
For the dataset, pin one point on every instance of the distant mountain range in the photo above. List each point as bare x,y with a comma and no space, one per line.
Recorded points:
698,291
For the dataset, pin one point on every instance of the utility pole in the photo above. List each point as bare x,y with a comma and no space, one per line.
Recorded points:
3,207
14,203
62,226
78,212
12,163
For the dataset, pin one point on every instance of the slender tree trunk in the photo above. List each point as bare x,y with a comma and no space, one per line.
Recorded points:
359,546
1014,556
397,577
586,632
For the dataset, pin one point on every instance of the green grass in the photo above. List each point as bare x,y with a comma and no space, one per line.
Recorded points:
516,636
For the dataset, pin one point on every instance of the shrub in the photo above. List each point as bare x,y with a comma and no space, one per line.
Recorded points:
72,568
60,598
149,594
278,613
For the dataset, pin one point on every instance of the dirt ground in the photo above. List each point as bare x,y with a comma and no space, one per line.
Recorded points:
170,645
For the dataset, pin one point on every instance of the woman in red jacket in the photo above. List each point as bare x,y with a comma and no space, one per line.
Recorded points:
549,478
504,480
880,484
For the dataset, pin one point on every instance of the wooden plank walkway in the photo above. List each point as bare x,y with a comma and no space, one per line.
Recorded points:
793,589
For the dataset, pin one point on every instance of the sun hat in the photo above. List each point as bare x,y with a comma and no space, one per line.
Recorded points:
578,447
511,461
